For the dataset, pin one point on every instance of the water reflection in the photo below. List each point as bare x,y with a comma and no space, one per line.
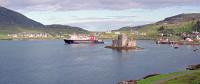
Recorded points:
119,51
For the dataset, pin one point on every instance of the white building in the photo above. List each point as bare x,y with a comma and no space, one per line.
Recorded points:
117,33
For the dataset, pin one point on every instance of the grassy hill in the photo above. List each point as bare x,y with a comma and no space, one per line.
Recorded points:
183,77
177,24
56,28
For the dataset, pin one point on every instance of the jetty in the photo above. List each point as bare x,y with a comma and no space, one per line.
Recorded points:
122,42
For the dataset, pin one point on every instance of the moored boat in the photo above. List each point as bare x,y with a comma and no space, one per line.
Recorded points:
176,46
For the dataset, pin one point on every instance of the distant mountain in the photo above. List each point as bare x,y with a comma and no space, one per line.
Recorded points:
176,21
127,28
181,18
69,29
14,22
12,18
172,25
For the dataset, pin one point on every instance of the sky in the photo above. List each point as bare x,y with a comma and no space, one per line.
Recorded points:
101,15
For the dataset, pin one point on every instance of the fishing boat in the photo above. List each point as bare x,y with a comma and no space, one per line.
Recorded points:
176,46
83,39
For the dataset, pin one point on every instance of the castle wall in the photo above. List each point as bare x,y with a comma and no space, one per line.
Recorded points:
114,43
131,43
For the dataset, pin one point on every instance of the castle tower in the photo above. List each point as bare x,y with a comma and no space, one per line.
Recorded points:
122,40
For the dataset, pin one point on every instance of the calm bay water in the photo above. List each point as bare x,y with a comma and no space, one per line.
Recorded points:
52,62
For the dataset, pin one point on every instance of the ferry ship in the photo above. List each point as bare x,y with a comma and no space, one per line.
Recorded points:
83,39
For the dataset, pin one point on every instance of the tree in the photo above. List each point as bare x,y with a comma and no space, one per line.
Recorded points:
165,31
161,29
196,26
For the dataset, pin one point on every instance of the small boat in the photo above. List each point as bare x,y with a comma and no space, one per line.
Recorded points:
83,39
171,45
195,50
176,46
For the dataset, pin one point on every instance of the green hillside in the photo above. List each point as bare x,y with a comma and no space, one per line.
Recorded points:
175,24
183,77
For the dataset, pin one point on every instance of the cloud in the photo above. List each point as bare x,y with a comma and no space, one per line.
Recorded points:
3,2
103,19
119,17
107,25
93,4
99,14
167,3
92,19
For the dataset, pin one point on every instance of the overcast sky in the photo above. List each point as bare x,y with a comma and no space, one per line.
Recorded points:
101,15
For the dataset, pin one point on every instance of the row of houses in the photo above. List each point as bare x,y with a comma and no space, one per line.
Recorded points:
29,35
193,35
119,33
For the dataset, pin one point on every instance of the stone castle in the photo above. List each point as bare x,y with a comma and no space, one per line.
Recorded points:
123,41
